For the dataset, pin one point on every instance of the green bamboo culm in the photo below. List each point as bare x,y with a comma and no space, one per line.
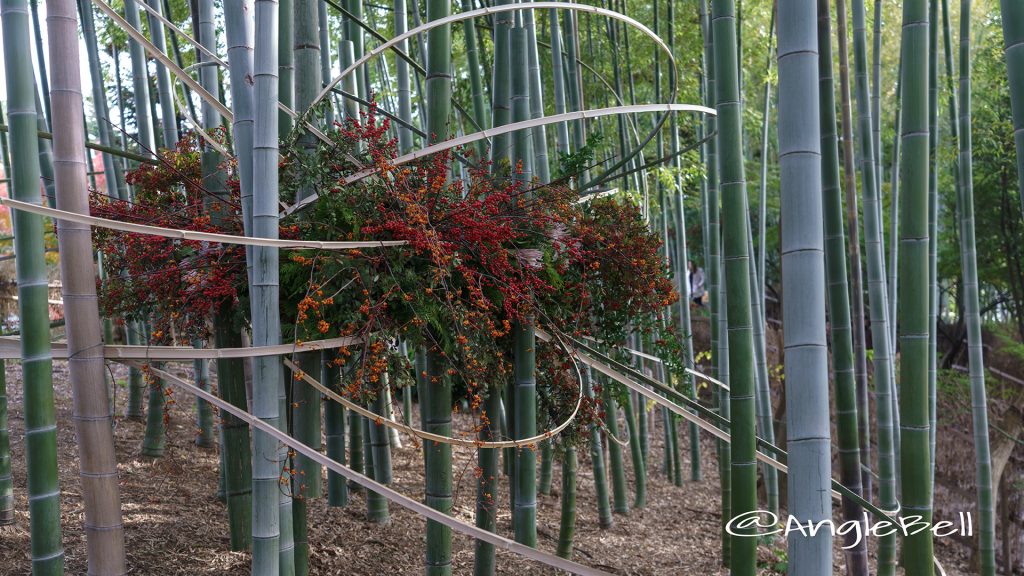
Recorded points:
136,383
230,375
933,223
475,80
884,382
305,407
620,499
713,267
6,481
737,279
381,450
546,467
765,417
140,82
847,419
238,469
567,522
682,258
112,169
270,543
286,65
438,411
487,484
524,514
334,429
154,439
439,463
913,325
204,411
168,117
604,509
147,144
1012,13
501,106
975,352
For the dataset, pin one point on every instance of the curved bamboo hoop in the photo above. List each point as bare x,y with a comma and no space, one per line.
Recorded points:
504,129
194,235
389,493
497,10
438,438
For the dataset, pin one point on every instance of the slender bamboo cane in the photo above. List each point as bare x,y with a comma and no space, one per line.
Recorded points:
894,220
1013,42
381,450
305,412
438,455
536,90
501,106
178,59
230,377
140,82
111,168
719,363
933,217
46,115
765,419
270,503
168,117
524,390
45,157
879,308
92,415
204,412
969,264
567,524
487,484
847,417
6,482
876,96
286,65
334,430
913,312
856,269
739,334
615,467
404,91
324,36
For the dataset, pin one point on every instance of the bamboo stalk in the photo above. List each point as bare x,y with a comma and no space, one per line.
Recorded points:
43,489
913,312
92,415
969,265
1013,42
838,295
270,502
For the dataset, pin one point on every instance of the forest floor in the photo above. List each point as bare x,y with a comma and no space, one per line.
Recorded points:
176,525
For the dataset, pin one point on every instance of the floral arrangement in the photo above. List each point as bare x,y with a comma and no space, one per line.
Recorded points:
482,253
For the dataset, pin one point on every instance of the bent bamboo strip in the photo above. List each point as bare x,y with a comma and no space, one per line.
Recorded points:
194,235
163,59
10,349
423,435
394,496
504,129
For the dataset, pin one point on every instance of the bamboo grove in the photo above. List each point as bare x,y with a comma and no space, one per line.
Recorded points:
614,241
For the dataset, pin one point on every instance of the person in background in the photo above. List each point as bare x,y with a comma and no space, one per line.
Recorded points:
696,284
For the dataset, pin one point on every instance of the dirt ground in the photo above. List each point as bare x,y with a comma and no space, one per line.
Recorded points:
175,524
